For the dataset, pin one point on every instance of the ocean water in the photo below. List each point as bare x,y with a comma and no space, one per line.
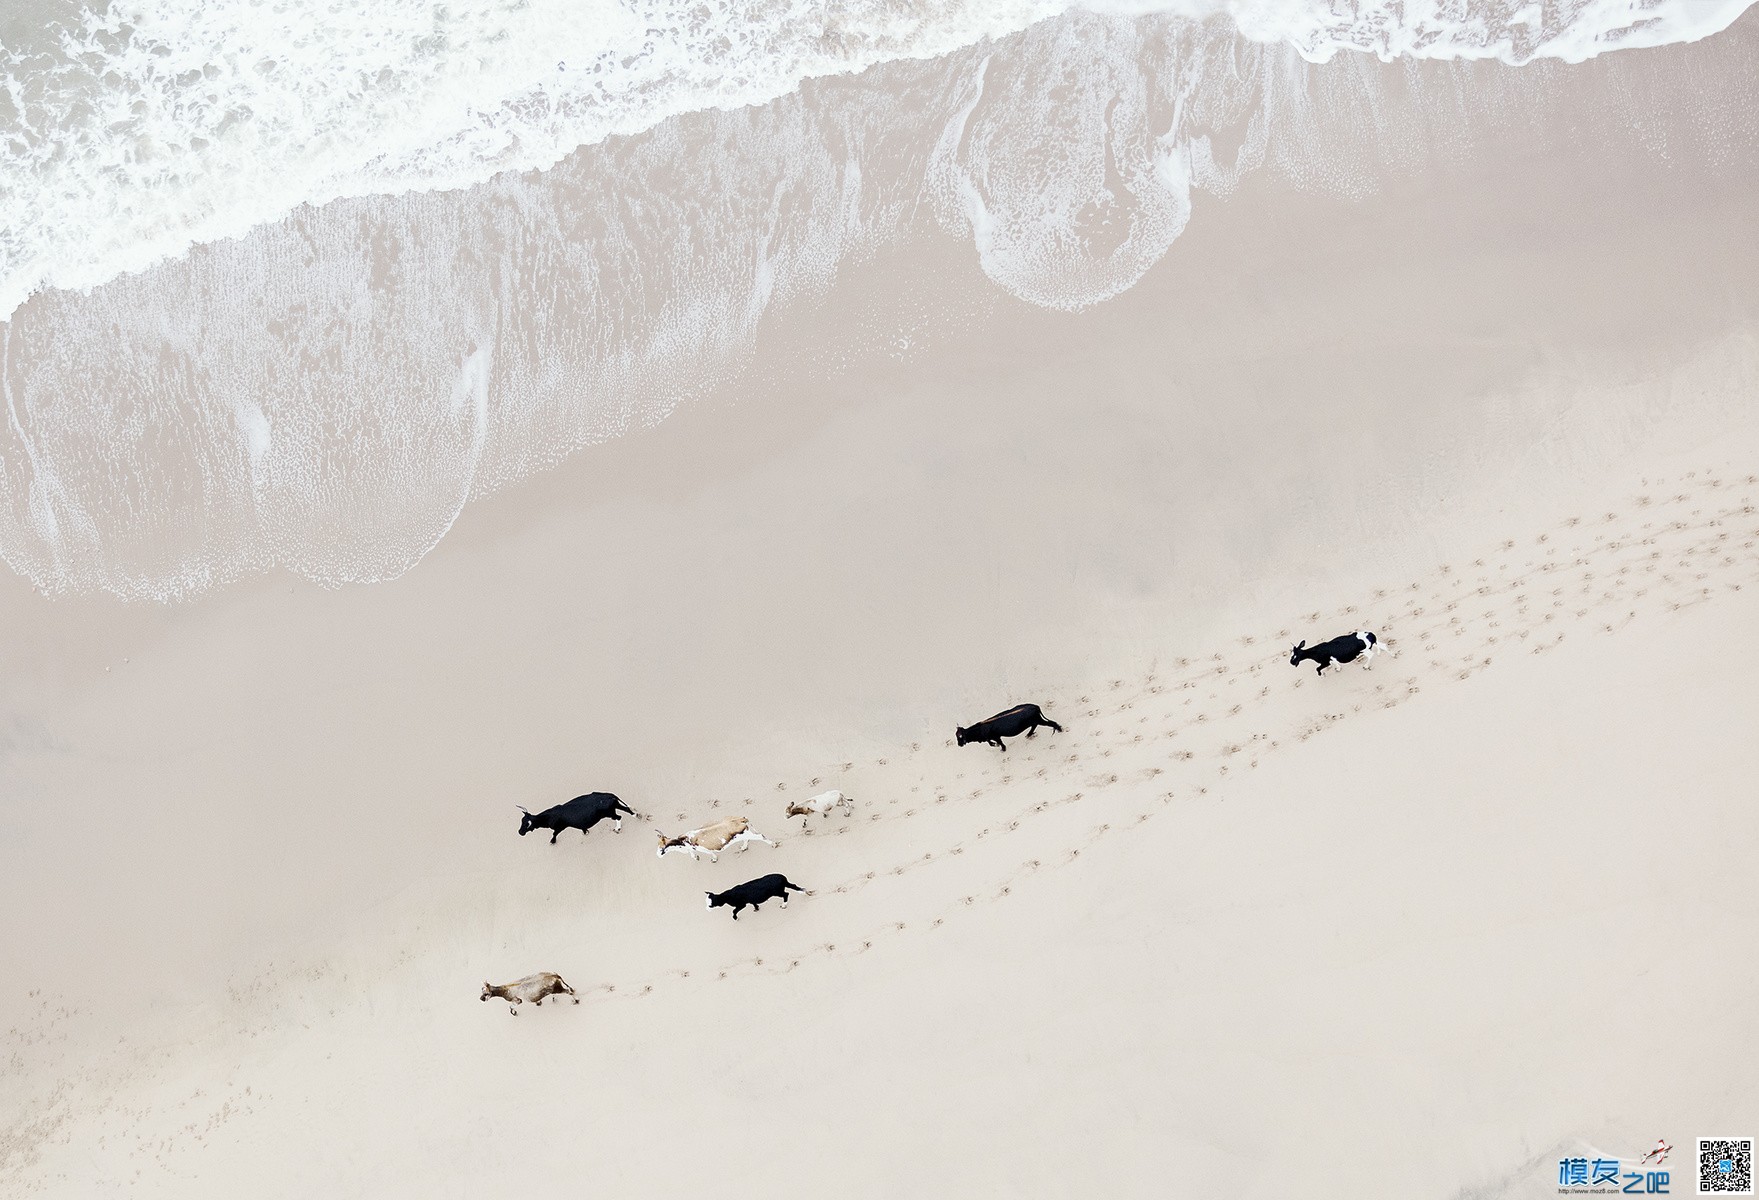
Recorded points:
288,283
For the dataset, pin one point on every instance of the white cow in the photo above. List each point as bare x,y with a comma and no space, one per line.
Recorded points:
712,839
821,804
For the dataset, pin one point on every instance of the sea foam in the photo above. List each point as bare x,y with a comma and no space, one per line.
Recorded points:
150,126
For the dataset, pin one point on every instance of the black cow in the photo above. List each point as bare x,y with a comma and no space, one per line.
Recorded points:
582,813
767,887
1349,648
1022,718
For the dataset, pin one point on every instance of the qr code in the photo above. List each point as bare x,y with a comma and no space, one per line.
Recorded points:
1725,1166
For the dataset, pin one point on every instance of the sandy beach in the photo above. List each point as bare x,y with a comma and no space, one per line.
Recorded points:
1419,930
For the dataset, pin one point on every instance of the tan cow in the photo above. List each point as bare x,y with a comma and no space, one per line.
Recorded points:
712,839
533,988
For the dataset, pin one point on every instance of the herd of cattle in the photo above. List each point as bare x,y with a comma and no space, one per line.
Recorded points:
583,812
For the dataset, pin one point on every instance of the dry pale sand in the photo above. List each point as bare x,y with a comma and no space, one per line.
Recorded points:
1239,931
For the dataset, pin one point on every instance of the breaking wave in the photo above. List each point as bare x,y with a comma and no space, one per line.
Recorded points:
147,126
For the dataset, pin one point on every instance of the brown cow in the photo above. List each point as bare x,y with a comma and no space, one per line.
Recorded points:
533,988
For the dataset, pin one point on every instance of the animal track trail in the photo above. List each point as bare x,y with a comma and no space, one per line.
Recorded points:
1617,578
1475,659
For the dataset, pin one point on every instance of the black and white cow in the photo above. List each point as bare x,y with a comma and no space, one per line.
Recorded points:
1349,648
582,813
1022,718
754,893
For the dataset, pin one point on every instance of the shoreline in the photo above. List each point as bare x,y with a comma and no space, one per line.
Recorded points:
361,376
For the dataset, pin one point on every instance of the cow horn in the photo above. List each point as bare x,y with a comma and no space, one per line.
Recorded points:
523,809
